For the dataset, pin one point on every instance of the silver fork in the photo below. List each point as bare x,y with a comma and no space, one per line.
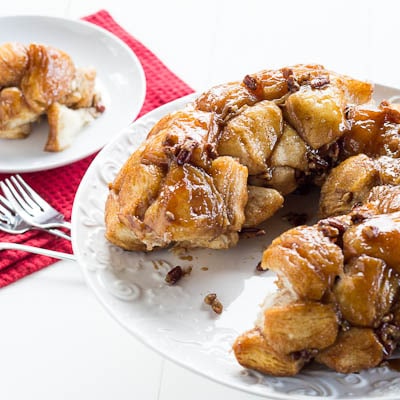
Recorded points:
36,250
11,222
31,207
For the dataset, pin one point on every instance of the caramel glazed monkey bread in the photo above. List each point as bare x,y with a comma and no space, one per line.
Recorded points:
224,163
37,80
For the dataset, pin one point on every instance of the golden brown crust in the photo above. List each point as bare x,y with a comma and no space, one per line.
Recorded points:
377,236
355,323
225,161
37,80
355,350
244,121
15,114
348,184
262,204
300,325
252,135
366,292
253,351
13,63
307,259
317,115
48,77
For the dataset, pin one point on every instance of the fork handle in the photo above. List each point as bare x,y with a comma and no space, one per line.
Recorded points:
58,233
51,225
37,250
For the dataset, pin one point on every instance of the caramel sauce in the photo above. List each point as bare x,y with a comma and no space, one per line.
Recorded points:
394,364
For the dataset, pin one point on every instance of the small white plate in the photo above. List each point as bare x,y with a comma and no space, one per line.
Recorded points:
173,320
120,79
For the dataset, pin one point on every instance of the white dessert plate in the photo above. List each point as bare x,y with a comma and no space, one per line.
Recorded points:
173,320
120,80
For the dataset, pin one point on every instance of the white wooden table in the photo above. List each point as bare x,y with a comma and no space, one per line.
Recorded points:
56,340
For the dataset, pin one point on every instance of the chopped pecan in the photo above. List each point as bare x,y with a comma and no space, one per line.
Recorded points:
217,306
389,336
211,151
316,163
286,72
336,223
319,82
292,84
212,300
184,152
174,275
250,82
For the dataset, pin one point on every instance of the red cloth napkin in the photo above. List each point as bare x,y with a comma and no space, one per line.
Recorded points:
58,186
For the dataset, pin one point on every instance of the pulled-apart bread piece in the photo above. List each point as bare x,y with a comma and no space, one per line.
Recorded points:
343,279
36,80
354,349
13,64
65,124
16,116
239,147
349,184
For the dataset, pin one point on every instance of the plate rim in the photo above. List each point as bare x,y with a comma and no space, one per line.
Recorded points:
140,95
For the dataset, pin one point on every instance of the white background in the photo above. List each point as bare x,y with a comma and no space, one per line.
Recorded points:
56,341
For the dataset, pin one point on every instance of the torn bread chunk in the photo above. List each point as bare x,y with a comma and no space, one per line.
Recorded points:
354,350
65,124
253,351
16,116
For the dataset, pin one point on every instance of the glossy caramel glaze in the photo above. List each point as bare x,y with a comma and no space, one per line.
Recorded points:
348,264
281,127
48,76
224,163
13,64
37,78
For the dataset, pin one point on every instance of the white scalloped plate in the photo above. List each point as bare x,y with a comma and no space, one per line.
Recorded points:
120,79
173,320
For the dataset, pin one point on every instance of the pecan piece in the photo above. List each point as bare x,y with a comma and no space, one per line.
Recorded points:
212,300
174,275
250,82
319,82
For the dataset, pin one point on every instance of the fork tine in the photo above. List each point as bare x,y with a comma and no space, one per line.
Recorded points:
25,195
4,216
7,213
34,195
5,206
14,197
